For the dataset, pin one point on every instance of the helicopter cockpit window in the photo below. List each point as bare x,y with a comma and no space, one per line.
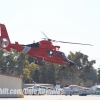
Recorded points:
59,54
50,52
65,58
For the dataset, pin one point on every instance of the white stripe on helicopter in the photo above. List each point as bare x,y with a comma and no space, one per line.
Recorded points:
26,49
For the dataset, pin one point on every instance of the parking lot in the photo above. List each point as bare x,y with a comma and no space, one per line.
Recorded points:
56,97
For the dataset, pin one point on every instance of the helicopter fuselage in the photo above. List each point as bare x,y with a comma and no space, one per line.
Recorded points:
41,51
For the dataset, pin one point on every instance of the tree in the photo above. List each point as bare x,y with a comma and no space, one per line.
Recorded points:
26,76
7,62
34,72
98,71
82,65
21,63
2,61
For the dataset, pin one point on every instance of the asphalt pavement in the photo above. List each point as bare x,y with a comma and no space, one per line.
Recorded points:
56,97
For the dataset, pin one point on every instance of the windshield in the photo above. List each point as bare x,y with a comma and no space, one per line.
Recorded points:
61,54
35,87
65,58
98,89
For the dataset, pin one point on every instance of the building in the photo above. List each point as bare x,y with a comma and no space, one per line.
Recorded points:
10,86
68,81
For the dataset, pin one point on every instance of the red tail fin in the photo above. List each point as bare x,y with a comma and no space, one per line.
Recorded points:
4,38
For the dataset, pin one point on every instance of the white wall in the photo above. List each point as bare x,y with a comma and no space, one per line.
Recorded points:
13,84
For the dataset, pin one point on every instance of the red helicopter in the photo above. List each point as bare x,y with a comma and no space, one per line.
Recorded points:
41,51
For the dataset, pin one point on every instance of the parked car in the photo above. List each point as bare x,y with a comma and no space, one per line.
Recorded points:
93,90
97,91
74,89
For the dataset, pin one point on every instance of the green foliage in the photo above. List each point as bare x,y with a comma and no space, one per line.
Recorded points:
19,64
26,75
98,75
82,65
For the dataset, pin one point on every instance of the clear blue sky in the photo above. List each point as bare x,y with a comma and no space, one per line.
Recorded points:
66,20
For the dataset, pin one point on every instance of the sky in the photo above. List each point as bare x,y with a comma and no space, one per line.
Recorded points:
62,20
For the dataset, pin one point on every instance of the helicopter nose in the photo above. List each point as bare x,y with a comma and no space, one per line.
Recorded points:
71,63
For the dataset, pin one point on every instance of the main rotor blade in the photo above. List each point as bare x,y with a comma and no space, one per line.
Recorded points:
44,35
47,39
72,43
43,38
